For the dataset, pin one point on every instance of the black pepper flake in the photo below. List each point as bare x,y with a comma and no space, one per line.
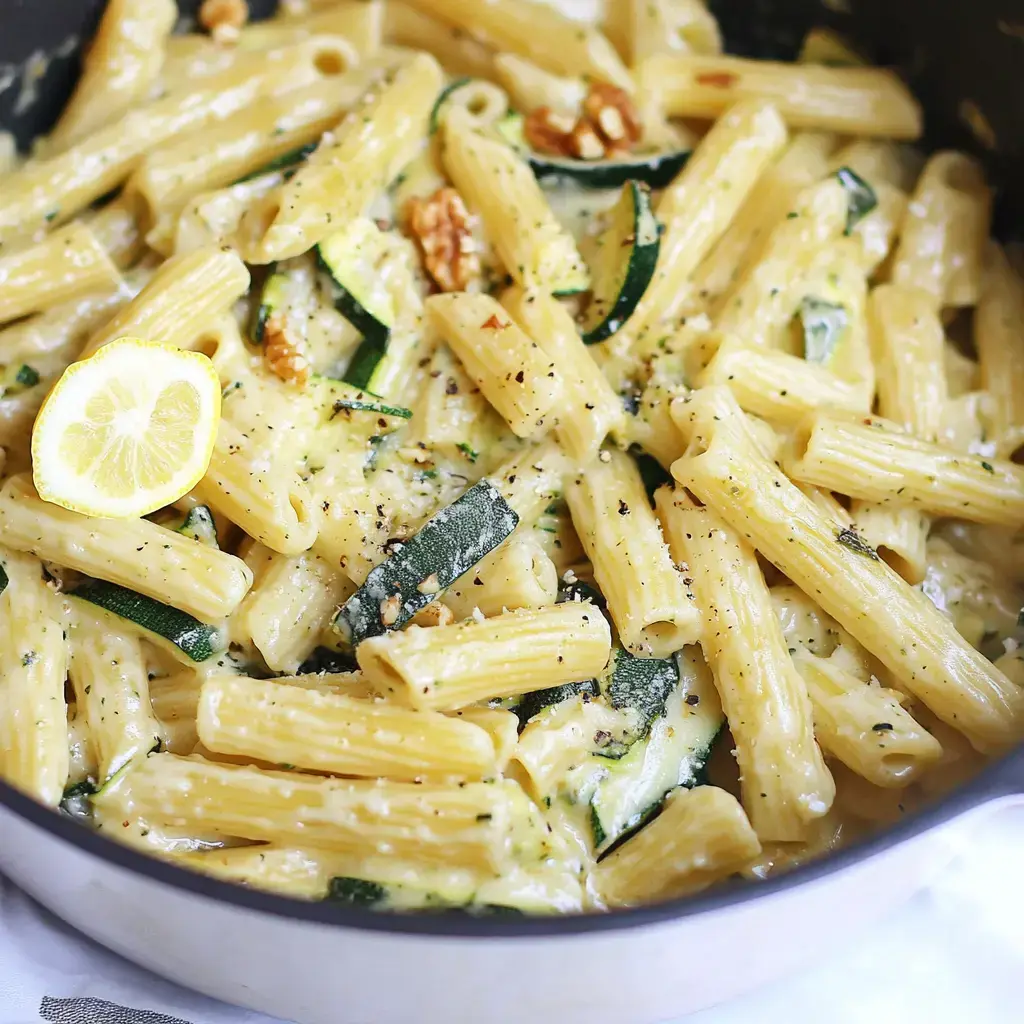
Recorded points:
520,377
623,508
853,540
882,727
692,699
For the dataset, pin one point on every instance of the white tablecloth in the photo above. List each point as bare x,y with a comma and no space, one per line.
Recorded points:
953,953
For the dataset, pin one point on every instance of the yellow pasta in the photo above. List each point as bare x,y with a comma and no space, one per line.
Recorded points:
856,101
330,732
651,605
120,67
870,462
449,666
369,147
64,266
894,622
784,778
131,552
701,837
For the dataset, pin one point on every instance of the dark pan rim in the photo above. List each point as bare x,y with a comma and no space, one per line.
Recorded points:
989,784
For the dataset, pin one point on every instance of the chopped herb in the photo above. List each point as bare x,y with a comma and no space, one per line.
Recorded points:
988,466
471,453
26,376
860,197
362,405
823,324
854,541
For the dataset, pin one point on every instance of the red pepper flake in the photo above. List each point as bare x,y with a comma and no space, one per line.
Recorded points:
492,323
719,79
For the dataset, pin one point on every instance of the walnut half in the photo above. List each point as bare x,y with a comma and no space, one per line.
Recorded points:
283,353
443,228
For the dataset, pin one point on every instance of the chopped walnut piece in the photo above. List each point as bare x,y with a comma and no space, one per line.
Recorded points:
224,19
443,227
610,110
389,609
548,132
607,126
283,353
435,614
492,323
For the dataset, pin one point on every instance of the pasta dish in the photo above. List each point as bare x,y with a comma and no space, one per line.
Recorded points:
456,457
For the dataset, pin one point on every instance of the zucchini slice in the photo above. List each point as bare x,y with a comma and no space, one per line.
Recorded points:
199,525
449,544
274,296
442,98
621,263
625,792
532,704
655,170
860,197
353,256
4,580
197,640
824,324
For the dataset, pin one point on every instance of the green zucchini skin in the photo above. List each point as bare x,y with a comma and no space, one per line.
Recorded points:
642,684
860,197
449,544
442,97
623,265
200,526
655,170
272,298
823,326
532,704
285,161
362,369
357,405
4,579
196,640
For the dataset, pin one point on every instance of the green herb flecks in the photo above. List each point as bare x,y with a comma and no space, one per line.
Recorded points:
853,540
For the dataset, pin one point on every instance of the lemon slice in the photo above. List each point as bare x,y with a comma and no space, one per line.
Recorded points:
128,430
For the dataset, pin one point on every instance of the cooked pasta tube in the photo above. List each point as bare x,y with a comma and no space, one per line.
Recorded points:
865,726
762,301
108,672
133,553
541,33
174,700
369,147
943,237
642,28
291,602
271,503
885,466
696,209
588,409
530,86
652,427
52,191
459,52
178,302
502,726
909,350
536,250
804,162
653,609
34,753
479,824
532,479
853,101
997,337
239,145
516,574
450,666
701,837
897,534
517,376
119,67
898,625
361,23
330,732
782,388
116,228
908,344
784,778
65,265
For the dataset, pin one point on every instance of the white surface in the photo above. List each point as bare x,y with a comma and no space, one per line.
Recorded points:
955,952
